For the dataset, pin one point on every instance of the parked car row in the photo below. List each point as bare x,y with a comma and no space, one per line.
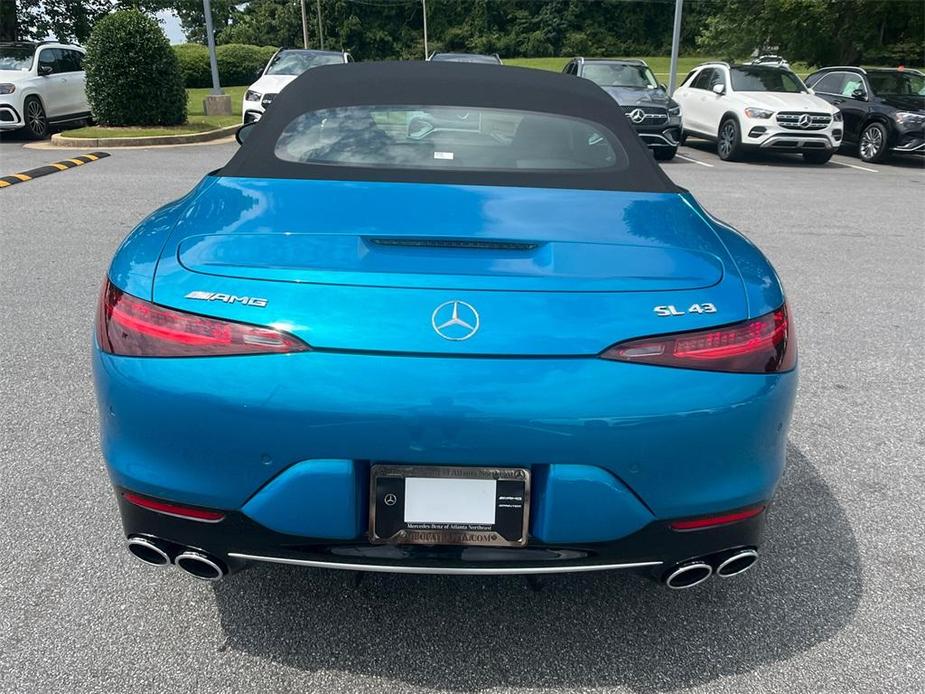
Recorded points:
761,105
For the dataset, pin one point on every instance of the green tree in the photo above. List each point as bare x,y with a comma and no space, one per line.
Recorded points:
193,20
266,23
71,20
818,32
133,77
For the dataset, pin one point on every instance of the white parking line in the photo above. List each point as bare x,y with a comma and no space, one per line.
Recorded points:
702,163
853,166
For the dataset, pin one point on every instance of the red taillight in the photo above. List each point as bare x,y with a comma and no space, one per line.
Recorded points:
713,521
129,326
170,509
759,345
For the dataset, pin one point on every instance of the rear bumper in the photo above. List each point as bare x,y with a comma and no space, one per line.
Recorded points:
283,444
237,541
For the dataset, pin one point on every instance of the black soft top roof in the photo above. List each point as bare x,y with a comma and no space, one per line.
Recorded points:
448,84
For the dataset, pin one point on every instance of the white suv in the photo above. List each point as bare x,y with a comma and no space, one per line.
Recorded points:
749,107
41,84
285,65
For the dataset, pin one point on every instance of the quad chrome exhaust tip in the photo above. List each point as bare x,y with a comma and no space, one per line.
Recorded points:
200,566
737,563
688,575
149,550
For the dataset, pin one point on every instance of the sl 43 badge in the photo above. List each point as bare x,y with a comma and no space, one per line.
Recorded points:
693,308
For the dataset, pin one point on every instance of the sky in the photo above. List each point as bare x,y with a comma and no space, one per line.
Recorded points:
171,25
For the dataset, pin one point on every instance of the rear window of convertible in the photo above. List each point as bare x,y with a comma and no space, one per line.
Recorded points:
448,138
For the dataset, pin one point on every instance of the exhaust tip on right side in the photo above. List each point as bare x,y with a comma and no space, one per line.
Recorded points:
200,566
688,575
737,563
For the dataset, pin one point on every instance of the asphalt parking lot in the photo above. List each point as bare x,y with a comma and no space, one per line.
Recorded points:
835,605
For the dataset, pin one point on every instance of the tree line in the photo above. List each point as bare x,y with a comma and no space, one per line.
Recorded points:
813,31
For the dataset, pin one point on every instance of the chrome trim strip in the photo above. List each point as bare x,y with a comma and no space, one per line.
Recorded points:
447,571
801,140
910,148
655,137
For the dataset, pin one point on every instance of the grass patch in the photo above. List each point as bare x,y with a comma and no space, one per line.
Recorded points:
197,121
194,99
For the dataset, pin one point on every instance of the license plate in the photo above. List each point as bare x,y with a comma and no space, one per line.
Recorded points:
436,505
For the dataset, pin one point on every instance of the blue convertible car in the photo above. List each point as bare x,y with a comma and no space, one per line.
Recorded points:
443,318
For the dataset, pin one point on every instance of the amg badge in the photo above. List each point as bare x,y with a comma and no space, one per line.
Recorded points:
227,298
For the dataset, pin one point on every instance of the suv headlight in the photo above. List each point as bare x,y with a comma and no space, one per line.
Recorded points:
7,88
837,117
251,95
758,113
909,118
674,111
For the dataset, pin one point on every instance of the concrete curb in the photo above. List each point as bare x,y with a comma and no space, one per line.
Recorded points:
63,140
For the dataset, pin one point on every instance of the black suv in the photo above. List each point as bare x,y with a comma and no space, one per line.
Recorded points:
654,114
883,108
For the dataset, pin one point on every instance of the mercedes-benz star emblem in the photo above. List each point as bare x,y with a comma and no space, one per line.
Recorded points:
455,320
637,115
390,499
804,121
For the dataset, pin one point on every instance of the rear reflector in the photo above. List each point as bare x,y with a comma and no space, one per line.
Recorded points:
713,521
130,326
759,345
199,514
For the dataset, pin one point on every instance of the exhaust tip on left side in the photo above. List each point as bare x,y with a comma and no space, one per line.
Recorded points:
688,575
148,550
201,566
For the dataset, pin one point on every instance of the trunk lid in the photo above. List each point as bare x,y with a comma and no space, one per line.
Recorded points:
364,266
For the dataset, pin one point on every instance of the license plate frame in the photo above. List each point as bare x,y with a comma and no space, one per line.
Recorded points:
387,524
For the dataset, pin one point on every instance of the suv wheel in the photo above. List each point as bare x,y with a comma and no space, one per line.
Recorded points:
872,146
728,140
36,122
821,157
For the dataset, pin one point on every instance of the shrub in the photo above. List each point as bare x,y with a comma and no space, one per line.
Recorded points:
133,77
194,64
238,63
